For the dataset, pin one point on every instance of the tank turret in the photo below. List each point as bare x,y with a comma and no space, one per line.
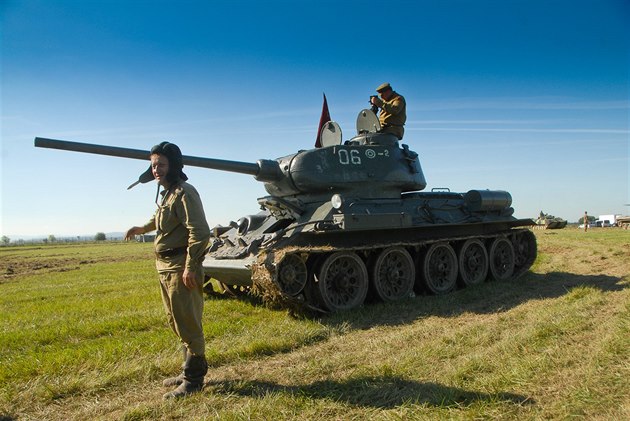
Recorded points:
374,170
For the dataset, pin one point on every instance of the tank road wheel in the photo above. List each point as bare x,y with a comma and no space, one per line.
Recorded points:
501,259
292,274
525,250
439,269
393,274
342,281
473,262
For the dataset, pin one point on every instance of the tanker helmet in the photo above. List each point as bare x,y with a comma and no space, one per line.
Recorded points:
175,164
175,161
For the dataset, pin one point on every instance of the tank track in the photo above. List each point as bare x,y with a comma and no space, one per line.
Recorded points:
267,285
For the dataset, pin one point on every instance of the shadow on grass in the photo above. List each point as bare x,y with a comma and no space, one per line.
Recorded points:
487,298
377,392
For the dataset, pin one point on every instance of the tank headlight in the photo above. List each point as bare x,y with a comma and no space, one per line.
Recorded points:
336,201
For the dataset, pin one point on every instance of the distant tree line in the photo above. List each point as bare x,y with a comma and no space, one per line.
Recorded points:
591,220
100,236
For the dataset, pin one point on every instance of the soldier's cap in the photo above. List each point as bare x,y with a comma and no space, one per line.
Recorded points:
383,87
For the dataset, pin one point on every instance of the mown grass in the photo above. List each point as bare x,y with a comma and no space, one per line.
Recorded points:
92,342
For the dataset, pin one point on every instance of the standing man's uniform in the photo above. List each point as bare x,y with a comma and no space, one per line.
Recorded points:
181,241
393,114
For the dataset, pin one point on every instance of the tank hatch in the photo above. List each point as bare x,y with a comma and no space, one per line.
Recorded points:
367,122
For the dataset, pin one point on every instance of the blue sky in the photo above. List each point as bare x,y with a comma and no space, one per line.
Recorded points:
532,97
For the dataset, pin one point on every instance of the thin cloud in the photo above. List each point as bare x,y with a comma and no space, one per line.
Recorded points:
525,103
516,130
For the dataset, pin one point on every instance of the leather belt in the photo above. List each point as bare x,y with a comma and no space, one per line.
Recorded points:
171,252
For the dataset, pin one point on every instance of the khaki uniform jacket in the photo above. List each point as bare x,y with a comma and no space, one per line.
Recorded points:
393,115
182,232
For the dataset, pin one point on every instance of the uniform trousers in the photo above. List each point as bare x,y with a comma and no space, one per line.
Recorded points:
184,309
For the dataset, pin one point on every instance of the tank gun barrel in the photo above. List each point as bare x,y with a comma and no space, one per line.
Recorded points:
262,170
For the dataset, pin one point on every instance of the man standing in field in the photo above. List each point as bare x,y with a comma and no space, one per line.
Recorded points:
181,240
585,221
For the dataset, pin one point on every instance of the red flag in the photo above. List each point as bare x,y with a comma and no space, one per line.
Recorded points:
325,118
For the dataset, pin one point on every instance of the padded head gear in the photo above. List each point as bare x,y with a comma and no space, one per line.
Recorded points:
175,164
175,161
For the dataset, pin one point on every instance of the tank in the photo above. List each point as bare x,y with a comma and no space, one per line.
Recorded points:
550,222
349,222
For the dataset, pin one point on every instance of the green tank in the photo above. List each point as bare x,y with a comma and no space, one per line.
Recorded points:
550,222
349,220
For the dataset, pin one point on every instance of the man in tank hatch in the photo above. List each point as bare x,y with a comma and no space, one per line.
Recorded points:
181,241
393,114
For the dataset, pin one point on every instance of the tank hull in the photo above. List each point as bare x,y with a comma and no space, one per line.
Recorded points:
388,249
551,224
239,271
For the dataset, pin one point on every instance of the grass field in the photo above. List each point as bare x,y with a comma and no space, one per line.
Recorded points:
83,336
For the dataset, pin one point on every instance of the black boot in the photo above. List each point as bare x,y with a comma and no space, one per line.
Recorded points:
195,370
179,379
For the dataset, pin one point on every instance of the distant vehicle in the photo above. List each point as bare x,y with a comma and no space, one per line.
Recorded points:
607,220
623,222
547,221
